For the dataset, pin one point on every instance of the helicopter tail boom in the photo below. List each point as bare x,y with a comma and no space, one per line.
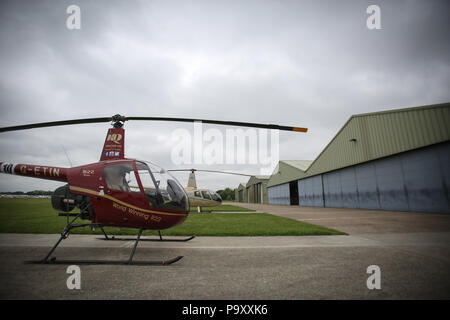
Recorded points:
34,171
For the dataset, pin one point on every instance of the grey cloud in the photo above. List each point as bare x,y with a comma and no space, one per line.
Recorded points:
308,63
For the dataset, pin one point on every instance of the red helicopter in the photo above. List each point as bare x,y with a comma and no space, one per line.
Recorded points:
117,191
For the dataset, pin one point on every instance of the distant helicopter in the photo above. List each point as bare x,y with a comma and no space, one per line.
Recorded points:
200,198
116,191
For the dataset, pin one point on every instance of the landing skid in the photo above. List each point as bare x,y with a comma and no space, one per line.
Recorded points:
107,262
157,240
65,234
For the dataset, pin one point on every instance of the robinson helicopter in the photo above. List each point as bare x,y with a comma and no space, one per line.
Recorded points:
116,191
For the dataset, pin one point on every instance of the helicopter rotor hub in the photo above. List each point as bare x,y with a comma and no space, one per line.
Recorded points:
117,121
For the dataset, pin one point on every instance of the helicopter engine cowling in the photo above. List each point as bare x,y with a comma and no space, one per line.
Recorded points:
65,201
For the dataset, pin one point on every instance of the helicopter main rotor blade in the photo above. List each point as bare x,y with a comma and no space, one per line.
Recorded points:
226,123
117,121
213,171
55,124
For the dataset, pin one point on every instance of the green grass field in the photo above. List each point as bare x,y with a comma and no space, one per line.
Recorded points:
28,215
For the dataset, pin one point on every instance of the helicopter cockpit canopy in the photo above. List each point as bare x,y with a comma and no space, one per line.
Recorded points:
215,196
210,195
160,188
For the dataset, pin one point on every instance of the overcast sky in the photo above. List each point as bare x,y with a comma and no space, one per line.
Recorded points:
303,63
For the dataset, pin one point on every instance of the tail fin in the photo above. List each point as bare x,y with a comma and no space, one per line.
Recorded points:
192,183
114,147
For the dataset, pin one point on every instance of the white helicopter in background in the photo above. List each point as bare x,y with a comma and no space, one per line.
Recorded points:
200,198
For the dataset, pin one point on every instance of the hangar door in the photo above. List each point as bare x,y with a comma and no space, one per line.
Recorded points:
417,180
293,193
279,194
257,188
310,192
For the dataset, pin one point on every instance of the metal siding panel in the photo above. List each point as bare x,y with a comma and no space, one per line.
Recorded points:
387,131
404,132
311,192
308,192
390,184
443,119
333,194
275,195
429,126
444,161
349,188
278,195
286,195
424,181
302,201
318,191
272,199
367,186
270,195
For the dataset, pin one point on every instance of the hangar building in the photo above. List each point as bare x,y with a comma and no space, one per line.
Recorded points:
255,191
391,160
283,189
240,194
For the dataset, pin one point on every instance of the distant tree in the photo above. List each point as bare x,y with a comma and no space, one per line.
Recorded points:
40,193
227,194
29,193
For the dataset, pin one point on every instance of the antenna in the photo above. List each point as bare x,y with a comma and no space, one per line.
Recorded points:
67,156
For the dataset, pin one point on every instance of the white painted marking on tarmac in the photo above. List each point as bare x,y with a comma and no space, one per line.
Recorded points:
317,219
87,241
127,244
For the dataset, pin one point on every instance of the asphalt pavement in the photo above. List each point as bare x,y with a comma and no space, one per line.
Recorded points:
412,251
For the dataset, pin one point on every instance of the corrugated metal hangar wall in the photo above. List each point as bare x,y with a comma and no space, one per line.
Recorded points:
394,160
416,180
279,194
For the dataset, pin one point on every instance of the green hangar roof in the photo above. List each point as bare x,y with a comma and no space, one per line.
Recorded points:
370,136
257,179
288,170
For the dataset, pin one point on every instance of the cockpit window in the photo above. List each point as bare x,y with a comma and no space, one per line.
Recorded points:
160,188
118,177
216,197
197,193
206,195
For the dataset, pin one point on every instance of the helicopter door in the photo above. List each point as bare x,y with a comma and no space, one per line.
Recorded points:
121,177
206,195
122,184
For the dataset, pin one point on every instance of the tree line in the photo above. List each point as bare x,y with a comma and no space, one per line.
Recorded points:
227,194
29,193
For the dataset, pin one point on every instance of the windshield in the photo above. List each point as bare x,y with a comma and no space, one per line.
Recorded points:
215,196
206,195
161,188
